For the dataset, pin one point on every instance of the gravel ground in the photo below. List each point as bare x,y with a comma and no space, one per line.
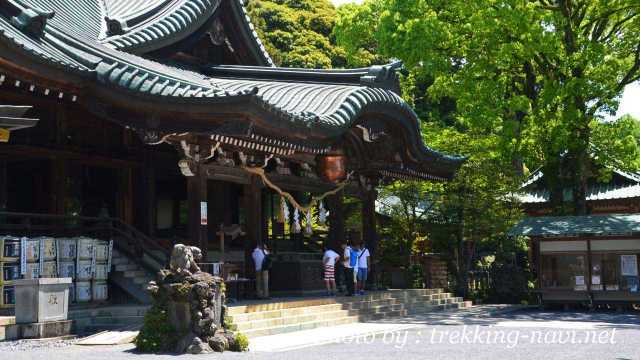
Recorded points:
33,345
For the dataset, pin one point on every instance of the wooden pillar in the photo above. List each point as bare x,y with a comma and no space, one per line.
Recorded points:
124,207
151,201
370,232
196,195
335,206
58,186
253,218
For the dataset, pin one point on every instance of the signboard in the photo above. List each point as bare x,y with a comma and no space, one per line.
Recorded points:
629,265
4,135
203,213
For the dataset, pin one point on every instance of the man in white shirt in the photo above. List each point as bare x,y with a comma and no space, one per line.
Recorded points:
262,275
348,269
329,260
363,269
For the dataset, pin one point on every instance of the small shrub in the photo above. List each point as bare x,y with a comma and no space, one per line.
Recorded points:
157,334
241,344
228,324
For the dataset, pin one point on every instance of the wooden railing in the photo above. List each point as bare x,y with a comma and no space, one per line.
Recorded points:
126,238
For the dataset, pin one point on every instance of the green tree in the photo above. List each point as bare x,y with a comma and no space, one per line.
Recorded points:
298,33
539,74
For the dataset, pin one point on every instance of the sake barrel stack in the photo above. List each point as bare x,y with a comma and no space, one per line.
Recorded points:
99,288
84,269
9,269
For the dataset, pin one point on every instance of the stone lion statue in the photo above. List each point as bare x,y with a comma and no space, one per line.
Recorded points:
183,259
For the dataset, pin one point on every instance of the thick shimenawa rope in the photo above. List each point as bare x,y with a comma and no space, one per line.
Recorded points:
314,199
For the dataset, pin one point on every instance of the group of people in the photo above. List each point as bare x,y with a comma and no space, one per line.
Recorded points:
353,264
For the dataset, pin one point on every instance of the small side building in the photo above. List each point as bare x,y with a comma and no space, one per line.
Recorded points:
591,259
585,259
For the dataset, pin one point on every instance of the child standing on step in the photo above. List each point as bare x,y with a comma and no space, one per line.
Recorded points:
363,269
329,260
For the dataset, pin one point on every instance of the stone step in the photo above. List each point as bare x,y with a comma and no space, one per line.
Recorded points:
134,273
382,309
386,295
299,327
120,261
126,267
384,315
292,320
142,280
108,311
358,305
273,314
260,307
281,317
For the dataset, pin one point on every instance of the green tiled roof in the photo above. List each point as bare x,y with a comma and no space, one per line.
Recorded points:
552,226
71,41
627,187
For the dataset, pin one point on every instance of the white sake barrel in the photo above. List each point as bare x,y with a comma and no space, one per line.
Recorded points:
67,269
102,250
99,291
84,272
32,250
83,291
9,248
49,269
48,244
85,248
102,272
8,295
67,249
33,271
10,272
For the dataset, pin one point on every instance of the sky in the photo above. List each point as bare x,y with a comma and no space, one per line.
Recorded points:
630,103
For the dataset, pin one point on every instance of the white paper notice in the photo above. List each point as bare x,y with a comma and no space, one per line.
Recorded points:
579,280
595,280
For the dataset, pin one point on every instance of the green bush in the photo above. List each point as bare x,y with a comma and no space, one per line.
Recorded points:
157,334
241,344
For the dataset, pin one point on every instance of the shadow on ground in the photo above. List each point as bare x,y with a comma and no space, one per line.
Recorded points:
487,317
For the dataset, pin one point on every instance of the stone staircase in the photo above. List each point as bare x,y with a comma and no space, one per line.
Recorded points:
94,319
262,319
130,276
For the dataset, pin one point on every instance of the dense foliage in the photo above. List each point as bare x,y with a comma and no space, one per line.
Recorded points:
297,33
539,75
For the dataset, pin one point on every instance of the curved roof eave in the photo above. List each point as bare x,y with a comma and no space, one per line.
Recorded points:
162,26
